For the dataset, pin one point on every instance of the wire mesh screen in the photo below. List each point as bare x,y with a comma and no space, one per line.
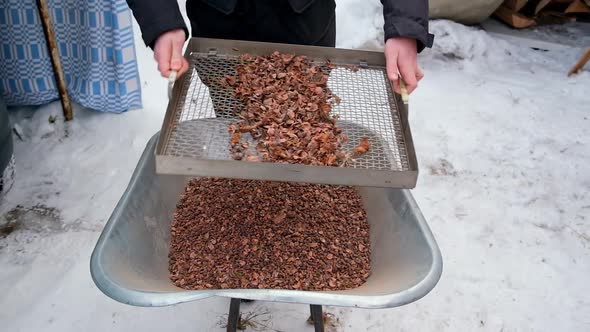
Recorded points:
199,127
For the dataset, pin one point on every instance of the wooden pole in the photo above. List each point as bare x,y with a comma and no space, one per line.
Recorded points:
581,62
54,54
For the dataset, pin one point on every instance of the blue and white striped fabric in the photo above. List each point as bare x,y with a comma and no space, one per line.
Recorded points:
96,47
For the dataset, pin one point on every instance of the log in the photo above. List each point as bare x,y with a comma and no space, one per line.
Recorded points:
542,4
553,17
578,7
512,18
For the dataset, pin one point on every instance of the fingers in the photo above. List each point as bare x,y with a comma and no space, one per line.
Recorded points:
168,53
176,59
401,58
419,73
409,74
392,69
163,54
183,68
175,62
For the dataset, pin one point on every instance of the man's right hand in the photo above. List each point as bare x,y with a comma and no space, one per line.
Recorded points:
168,53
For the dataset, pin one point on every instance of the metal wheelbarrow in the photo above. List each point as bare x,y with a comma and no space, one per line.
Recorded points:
130,261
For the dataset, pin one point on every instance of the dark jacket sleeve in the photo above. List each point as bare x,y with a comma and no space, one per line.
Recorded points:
156,17
407,18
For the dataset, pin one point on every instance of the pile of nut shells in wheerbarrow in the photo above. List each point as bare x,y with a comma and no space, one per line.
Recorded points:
237,233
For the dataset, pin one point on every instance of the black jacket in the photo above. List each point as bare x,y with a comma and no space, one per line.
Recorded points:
403,18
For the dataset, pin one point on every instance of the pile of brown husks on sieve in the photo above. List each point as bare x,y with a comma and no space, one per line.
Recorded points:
288,112
229,233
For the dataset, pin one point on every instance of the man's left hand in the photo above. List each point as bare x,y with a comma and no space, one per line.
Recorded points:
401,58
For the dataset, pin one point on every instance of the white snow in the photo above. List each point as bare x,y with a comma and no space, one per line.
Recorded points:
359,24
502,138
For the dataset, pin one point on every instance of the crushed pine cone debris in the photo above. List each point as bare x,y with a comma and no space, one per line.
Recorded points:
287,111
235,234
363,146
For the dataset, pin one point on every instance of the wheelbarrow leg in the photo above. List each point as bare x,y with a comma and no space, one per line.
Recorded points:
317,317
234,315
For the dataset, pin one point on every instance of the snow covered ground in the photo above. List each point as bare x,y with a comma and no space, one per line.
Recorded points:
502,137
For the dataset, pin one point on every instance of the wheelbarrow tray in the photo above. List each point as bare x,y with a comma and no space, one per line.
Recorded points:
130,260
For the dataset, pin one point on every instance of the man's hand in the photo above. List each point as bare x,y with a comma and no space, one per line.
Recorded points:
168,52
401,57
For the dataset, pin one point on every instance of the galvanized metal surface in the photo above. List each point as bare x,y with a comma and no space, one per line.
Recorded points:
195,139
130,260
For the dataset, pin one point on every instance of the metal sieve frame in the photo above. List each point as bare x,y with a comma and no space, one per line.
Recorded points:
195,143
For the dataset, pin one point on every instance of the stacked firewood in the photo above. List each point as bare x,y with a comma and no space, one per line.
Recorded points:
526,13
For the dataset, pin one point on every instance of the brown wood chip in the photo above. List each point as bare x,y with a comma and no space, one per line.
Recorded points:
230,233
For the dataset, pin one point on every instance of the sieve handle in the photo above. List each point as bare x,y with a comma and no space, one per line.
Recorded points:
171,80
404,90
